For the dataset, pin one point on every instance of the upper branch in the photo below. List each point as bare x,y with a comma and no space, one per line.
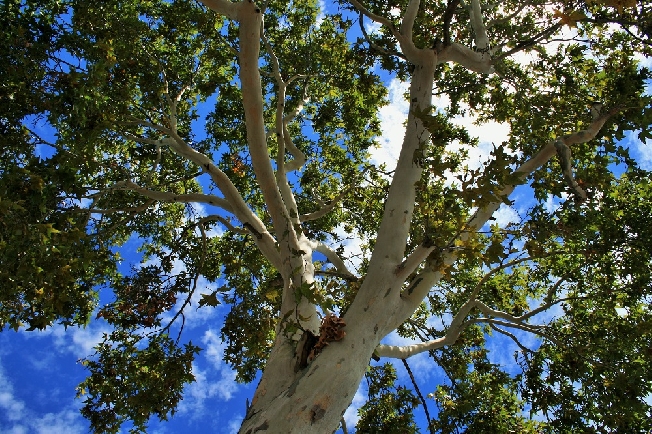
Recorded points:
454,330
481,39
223,7
404,35
250,18
407,25
166,196
582,136
333,257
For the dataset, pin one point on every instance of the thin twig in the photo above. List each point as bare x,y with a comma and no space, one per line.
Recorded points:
416,388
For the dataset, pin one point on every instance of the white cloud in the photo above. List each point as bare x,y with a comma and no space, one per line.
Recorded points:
505,215
642,150
217,381
392,118
234,425
213,348
76,340
372,27
17,418
351,416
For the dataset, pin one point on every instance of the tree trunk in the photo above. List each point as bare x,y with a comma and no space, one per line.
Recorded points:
313,399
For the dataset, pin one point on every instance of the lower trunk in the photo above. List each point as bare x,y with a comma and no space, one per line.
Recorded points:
313,399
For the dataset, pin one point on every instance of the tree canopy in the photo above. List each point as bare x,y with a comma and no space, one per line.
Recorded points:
234,142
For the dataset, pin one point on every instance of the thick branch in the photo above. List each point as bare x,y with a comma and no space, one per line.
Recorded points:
407,25
456,328
223,7
165,196
473,60
481,39
250,18
281,179
582,136
333,257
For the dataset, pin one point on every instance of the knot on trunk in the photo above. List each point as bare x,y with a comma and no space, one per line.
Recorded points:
310,345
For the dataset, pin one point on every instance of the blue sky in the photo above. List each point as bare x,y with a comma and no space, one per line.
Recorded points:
39,370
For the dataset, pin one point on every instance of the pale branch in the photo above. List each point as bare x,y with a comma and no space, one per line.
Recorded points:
511,336
165,196
173,104
224,7
343,424
456,327
225,222
276,68
553,289
421,285
537,330
472,60
413,261
294,78
477,23
332,256
134,209
374,45
232,198
545,307
281,179
395,225
299,158
250,19
565,158
496,313
405,351
325,207
538,160
410,15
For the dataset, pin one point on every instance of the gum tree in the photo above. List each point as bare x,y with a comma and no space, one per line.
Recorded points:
258,198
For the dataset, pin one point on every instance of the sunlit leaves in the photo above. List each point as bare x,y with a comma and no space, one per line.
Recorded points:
134,378
390,408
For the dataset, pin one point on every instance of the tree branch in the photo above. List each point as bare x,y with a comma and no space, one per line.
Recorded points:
374,45
165,196
250,18
454,330
477,23
410,15
449,13
511,336
223,7
538,160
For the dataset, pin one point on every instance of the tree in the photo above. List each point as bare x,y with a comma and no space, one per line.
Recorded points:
258,200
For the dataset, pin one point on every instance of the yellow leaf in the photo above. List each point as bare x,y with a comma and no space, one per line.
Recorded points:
569,20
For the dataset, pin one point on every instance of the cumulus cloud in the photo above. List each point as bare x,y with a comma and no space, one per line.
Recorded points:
351,416
216,381
392,119
17,418
505,215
